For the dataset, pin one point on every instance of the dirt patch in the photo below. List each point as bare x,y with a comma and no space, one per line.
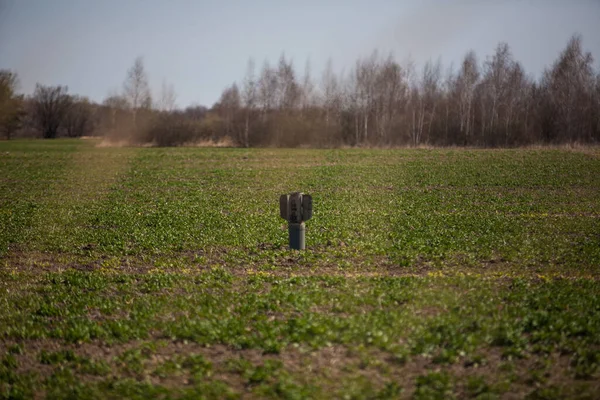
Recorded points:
332,367
284,264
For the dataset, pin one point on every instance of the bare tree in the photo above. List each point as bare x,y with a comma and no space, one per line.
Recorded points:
466,83
351,107
229,105
449,84
597,108
50,107
249,97
11,105
78,119
267,89
8,85
414,103
366,73
195,112
426,97
331,96
136,88
390,88
569,86
167,97
115,104
307,91
288,95
515,96
380,101
495,86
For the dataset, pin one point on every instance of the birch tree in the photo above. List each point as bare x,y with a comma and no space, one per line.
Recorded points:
229,104
331,95
466,83
496,82
366,72
569,85
167,98
288,94
249,97
307,90
136,89
389,89
267,89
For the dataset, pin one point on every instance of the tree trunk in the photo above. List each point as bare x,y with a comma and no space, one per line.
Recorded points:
447,117
366,131
431,118
247,130
356,130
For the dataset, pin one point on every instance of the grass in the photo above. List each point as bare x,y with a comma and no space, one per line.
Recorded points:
429,273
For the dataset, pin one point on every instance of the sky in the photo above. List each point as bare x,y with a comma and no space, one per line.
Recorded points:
202,46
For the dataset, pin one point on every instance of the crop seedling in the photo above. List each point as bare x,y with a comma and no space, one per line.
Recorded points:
148,272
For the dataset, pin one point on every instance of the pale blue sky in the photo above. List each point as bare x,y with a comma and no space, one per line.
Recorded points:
202,46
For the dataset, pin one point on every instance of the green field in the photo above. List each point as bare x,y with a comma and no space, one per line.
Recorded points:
164,273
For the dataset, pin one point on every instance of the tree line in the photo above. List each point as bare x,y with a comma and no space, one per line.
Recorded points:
378,102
